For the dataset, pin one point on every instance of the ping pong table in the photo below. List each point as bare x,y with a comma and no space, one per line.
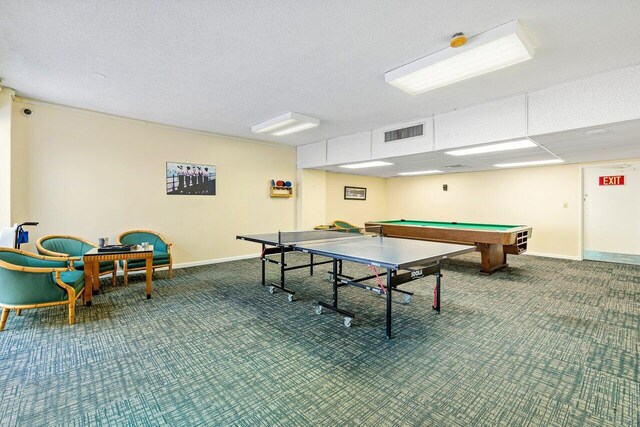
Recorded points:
403,261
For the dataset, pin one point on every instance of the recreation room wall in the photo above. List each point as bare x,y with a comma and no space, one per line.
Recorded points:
92,175
321,198
311,198
531,196
356,212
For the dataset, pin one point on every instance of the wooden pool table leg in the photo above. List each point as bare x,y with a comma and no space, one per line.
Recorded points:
493,258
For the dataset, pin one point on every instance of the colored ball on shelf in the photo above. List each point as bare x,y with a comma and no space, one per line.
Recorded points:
273,182
280,183
287,184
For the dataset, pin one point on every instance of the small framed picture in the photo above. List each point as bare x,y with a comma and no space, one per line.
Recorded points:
355,193
191,179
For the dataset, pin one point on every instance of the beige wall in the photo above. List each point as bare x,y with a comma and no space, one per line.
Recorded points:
93,175
5,156
321,198
531,196
356,212
311,207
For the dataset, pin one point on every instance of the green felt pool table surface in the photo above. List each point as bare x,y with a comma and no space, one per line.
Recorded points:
452,225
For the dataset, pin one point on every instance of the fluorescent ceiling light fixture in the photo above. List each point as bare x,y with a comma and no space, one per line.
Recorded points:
419,172
503,146
366,165
285,124
489,51
534,163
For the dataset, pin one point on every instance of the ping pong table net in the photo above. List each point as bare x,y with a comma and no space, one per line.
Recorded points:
296,237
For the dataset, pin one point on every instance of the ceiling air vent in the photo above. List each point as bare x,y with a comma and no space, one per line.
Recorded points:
404,133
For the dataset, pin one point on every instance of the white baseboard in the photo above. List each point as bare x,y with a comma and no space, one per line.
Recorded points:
195,263
618,258
547,255
214,261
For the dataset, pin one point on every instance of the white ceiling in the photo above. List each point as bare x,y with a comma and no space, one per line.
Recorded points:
621,141
224,66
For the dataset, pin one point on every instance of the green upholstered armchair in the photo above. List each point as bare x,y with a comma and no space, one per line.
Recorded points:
345,226
161,251
61,246
30,281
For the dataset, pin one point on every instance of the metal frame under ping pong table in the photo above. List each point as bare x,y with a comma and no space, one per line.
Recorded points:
404,261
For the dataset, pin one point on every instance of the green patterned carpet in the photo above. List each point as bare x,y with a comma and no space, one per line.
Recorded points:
545,343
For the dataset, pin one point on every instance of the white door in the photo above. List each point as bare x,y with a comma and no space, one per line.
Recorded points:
611,223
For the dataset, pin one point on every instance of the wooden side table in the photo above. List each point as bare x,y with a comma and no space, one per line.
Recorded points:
93,258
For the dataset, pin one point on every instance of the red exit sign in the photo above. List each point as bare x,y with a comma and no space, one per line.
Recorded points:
612,180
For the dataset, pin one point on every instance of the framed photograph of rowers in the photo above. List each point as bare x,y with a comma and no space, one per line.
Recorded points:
355,193
191,179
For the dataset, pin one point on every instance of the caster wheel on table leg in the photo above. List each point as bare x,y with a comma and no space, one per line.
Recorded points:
407,298
318,309
271,290
290,297
347,321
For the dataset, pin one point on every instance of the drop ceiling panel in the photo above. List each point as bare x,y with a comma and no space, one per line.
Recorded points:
492,121
488,159
620,140
312,155
349,149
577,149
601,155
600,99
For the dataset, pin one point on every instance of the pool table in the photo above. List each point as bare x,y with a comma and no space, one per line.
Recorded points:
493,241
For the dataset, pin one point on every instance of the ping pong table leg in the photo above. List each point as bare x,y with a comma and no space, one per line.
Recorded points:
282,266
310,264
348,316
389,301
436,294
264,262
334,291
334,282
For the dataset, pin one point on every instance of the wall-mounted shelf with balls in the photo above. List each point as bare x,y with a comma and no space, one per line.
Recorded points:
281,189
277,191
